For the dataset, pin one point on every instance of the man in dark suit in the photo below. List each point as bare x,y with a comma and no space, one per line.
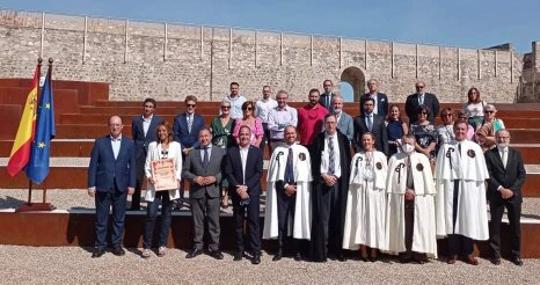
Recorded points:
506,176
111,177
202,167
326,97
369,122
330,159
380,99
421,98
143,132
186,129
243,169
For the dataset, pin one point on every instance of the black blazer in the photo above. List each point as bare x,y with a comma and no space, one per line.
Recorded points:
382,104
379,130
512,177
142,141
430,101
254,170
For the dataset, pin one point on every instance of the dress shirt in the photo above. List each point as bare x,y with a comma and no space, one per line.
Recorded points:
369,121
278,119
263,109
115,143
421,99
236,106
325,156
243,157
189,121
209,152
503,152
146,123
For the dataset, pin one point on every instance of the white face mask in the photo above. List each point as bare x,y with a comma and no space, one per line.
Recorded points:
407,148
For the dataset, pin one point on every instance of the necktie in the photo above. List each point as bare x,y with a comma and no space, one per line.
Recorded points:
370,122
189,122
421,99
410,181
331,156
505,158
205,157
289,176
328,100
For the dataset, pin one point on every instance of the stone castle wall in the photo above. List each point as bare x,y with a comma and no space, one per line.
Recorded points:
170,61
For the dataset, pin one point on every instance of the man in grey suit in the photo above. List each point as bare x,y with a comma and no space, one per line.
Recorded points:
344,121
202,168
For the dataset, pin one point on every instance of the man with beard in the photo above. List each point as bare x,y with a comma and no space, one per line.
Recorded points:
288,208
310,118
330,165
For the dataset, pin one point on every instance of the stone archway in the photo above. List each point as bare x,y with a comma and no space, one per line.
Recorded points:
356,78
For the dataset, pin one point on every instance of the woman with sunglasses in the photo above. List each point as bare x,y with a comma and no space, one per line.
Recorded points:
254,123
485,134
474,108
163,148
222,127
425,134
395,128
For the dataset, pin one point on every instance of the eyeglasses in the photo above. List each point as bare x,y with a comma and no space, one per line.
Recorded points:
190,105
225,107
248,109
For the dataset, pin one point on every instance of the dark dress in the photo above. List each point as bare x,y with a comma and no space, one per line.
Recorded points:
394,129
222,137
425,135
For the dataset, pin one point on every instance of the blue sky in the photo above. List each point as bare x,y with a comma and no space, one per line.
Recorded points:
468,24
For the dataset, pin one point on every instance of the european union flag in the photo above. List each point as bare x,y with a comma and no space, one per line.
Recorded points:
38,167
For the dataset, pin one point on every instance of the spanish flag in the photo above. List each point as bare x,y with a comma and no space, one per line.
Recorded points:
20,152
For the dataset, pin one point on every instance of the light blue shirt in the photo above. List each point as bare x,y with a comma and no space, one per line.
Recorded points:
115,143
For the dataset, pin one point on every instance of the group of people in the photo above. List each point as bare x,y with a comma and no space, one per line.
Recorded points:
373,183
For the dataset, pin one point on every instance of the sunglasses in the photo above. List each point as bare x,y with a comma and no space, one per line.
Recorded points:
225,107
190,105
248,109
490,112
423,113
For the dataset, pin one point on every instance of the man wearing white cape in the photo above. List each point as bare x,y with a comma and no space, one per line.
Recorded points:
410,216
366,201
288,198
460,203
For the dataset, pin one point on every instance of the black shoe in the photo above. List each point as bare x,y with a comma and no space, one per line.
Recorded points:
420,258
216,254
298,257
118,251
98,252
496,260
194,252
238,256
517,260
405,258
341,257
278,256
256,259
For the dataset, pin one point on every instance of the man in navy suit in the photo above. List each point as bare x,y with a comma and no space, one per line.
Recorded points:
243,170
380,99
326,97
506,177
421,98
111,177
143,132
369,122
186,129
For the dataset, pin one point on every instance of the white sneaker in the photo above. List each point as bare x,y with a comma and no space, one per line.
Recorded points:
146,253
162,251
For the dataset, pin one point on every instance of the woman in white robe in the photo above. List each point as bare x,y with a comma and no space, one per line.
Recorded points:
366,201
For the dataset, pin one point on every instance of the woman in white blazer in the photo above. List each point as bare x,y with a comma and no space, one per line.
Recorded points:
163,148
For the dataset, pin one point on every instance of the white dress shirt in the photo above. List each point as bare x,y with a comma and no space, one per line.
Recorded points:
146,123
263,109
209,152
375,109
243,157
115,143
325,156
236,106
503,152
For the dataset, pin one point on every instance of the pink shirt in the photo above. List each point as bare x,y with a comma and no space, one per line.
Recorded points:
256,130
310,122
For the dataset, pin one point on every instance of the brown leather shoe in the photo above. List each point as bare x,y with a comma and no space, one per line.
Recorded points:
471,260
451,259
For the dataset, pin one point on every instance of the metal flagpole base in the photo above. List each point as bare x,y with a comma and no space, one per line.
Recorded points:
35,207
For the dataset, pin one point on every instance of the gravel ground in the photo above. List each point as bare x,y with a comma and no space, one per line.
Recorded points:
45,265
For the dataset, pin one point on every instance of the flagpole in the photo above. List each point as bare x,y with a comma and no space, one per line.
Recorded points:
40,61
49,74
